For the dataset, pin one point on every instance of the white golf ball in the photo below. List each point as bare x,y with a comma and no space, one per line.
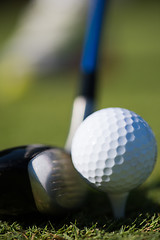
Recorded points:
114,149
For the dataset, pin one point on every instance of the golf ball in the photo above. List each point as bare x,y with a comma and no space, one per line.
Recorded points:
114,149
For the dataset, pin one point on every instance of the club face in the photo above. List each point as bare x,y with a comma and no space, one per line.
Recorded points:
16,194
56,186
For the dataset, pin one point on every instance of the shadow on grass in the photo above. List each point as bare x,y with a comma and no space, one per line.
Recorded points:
97,211
144,200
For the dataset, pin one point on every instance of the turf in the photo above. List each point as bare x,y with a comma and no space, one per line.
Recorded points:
128,77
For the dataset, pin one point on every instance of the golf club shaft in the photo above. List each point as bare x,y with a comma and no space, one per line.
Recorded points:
91,47
84,104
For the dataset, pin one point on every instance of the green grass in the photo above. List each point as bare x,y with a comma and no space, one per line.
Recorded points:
128,77
79,226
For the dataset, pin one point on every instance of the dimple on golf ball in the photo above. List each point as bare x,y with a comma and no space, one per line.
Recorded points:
114,149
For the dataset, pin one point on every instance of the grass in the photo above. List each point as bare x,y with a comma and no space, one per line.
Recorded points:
94,222
139,226
129,78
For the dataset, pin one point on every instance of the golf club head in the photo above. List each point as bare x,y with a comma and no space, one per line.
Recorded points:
16,194
56,185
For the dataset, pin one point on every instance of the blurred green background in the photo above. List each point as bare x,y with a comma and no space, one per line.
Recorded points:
129,77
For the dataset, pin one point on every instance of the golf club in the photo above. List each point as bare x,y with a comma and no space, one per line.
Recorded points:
46,173
16,193
85,103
